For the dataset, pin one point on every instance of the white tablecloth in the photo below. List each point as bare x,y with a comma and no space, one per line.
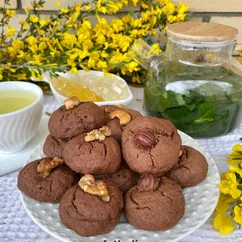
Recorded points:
16,226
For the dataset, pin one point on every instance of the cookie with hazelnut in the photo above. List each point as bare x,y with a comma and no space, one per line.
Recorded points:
46,179
117,117
155,204
150,144
93,153
91,207
75,118
53,147
191,169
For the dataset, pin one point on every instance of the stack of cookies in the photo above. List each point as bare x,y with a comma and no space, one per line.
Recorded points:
103,160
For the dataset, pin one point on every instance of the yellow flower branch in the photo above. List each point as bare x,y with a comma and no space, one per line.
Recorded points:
69,41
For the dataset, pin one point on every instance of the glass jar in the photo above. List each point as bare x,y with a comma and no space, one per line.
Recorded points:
196,84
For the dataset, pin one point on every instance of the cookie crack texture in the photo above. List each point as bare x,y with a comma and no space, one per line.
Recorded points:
137,204
73,202
166,196
165,134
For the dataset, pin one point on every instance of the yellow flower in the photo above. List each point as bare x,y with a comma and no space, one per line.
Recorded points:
240,52
37,59
135,2
36,76
104,54
136,79
95,55
100,39
64,11
235,169
238,214
71,62
102,65
10,32
57,4
223,203
34,19
12,51
21,54
32,40
33,48
133,66
88,8
40,31
10,12
229,186
73,70
87,24
156,48
117,25
27,10
91,63
223,223
1,76
237,148
21,76
236,157
18,44
44,22
24,25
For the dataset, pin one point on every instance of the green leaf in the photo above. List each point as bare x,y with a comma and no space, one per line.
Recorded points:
239,187
206,112
240,138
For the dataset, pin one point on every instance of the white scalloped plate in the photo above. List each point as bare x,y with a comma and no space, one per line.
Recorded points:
200,204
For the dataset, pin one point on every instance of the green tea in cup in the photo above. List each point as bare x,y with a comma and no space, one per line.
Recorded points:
13,100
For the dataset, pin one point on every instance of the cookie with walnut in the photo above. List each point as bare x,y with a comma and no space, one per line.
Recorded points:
91,207
75,118
46,179
191,169
87,154
113,121
155,204
150,144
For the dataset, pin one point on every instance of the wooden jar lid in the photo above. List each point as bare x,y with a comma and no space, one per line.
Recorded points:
205,32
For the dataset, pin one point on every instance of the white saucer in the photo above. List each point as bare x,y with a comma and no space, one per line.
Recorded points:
12,162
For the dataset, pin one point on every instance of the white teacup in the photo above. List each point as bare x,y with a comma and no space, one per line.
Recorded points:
17,128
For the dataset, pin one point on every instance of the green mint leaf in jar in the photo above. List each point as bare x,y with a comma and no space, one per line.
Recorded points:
196,84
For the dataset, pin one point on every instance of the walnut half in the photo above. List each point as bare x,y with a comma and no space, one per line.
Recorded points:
88,184
71,102
98,134
47,165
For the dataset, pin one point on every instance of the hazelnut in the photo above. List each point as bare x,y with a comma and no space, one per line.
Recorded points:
71,102
88,184
47,165
148,182
145,140
124,117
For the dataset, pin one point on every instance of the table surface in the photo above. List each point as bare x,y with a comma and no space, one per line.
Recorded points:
16,226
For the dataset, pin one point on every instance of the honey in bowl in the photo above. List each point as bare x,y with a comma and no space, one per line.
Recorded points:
11,101
70,88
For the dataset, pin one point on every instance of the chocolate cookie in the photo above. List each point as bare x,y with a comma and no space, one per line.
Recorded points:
191,169
124,178
87,214
96,157
150,144
53,147
114,124
155,204
48,189
68,123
